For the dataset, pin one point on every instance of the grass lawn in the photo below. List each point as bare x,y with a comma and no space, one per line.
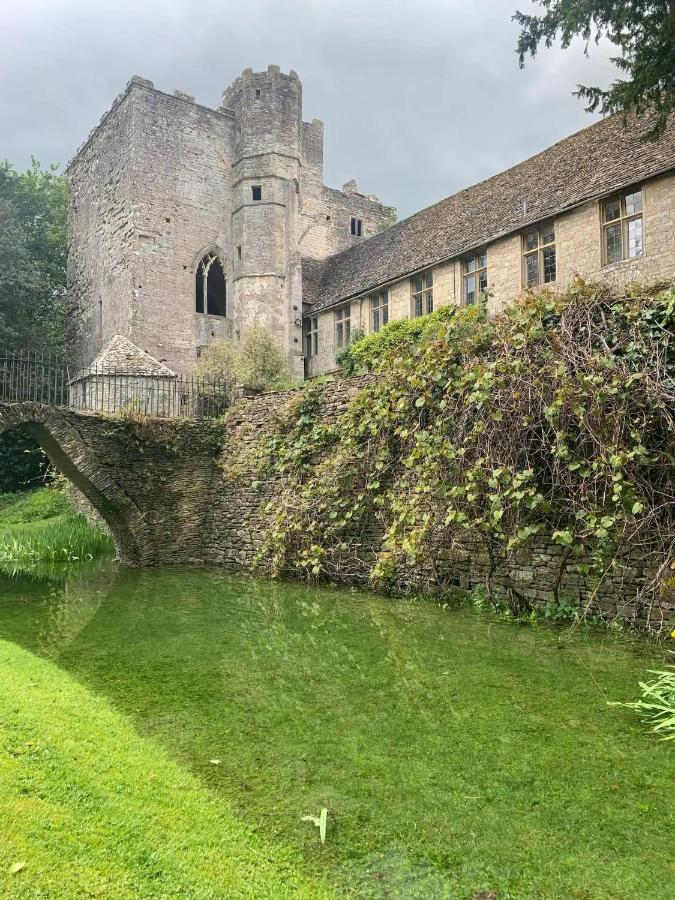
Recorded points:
90,809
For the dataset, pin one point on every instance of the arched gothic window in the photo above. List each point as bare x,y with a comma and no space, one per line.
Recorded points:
211,290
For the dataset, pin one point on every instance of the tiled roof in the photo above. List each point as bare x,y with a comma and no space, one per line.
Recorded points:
593,162
122,357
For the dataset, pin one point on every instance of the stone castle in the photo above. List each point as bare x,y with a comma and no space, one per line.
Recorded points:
189,224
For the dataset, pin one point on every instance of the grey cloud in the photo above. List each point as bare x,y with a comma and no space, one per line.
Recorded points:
419,99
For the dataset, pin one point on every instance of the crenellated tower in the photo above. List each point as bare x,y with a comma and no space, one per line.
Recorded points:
267,172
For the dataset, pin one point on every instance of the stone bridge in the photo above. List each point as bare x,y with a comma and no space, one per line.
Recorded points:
150,480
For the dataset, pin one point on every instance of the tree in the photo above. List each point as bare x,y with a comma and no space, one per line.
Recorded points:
256,361
645,34
33,254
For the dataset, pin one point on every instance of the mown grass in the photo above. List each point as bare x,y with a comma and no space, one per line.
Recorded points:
42,526
90,809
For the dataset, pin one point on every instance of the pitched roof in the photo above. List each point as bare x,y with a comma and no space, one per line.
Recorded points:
122,357
598,160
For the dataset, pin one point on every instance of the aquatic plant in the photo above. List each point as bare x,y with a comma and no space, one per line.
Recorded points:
42,526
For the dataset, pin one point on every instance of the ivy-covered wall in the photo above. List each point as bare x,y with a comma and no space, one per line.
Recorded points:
245,504
529,454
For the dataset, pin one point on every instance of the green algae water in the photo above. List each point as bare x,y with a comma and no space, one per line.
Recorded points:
456,756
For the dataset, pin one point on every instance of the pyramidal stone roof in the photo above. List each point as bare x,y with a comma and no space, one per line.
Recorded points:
120,356
596,161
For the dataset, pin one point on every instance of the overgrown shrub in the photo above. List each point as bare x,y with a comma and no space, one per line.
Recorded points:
366,352
257,361
554,418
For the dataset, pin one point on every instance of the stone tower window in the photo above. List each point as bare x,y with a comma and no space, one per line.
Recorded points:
210,286
357,227
256,192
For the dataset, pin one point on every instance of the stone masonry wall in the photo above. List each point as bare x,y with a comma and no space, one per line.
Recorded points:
237,527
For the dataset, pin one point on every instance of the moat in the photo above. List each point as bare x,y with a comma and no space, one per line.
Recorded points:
456,754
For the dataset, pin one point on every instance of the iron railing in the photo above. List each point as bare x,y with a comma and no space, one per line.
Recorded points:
27,376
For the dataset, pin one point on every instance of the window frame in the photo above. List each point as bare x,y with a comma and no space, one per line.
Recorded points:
624,219
540,251
356,227
254,188
343,327
424,297
378,310
311,337
475,273
202,272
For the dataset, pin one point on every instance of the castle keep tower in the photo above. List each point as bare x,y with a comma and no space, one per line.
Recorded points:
267,173
189,224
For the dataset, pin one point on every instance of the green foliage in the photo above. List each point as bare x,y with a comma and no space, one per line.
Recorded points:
33,253
366,352
42,526
63,538
256,361
553,418
22,463
22,509
656,707
644,33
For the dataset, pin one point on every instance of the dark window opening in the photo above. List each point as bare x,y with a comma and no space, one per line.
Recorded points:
238,252
257,93
211,287
357,227
256,192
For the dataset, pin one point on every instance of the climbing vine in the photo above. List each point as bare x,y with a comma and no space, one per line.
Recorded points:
555,419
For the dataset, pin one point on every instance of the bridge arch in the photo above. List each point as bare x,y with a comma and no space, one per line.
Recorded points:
57,433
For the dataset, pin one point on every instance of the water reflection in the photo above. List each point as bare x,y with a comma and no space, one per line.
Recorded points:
412,724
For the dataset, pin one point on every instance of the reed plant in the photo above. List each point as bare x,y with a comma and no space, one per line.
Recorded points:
42,526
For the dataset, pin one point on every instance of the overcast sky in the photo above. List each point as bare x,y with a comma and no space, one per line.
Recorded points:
419,98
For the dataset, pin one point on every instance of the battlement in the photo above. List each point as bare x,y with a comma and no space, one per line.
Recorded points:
251,82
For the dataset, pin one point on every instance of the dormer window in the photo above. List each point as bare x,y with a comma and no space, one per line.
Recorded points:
256,192
210,286
357,227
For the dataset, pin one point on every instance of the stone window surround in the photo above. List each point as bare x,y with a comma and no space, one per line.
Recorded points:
474,266
204,263
379,309
342,317
311,337
624,219
542,247
422,299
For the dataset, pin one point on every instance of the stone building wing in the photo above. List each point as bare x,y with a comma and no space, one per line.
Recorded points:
599,160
